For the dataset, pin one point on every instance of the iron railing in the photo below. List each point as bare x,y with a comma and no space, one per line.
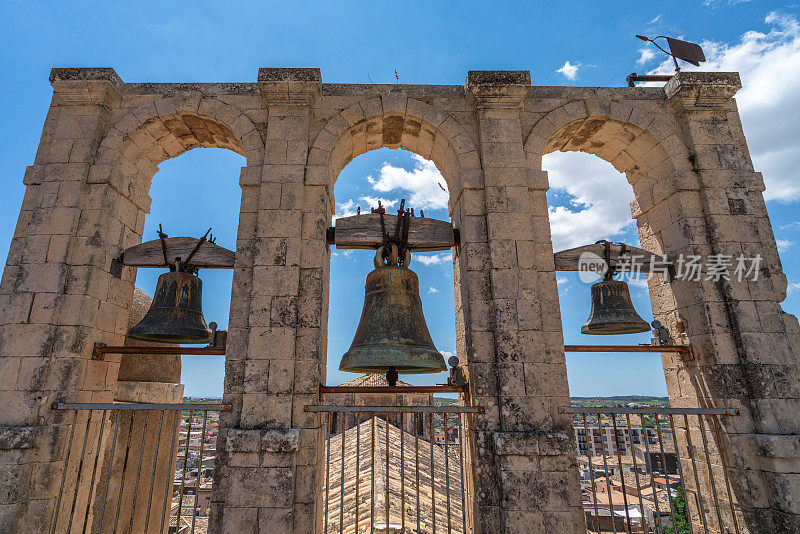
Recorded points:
118,475
690,493
396,469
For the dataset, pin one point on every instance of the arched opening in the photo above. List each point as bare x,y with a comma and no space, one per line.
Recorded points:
355,151
387,176
589,200
192,193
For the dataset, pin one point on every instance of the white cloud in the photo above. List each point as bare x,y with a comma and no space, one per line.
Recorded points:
569,70
433,259
715,3
594,213
793,287
656,19
372,202
432,290
425,183
769,101
350,207
646,56
784,244
561,280
345,209
791,226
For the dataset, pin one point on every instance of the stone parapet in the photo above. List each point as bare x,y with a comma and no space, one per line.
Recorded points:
702,90
497,88
290,85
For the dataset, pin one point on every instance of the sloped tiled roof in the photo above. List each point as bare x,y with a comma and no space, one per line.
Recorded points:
401,496
371,380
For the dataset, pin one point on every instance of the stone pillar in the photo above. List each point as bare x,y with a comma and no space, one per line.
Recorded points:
143,378
268,447
745,347
57,296
509,327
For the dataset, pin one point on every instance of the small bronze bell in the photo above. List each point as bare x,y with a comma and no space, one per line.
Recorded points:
392,336
175,315
612,310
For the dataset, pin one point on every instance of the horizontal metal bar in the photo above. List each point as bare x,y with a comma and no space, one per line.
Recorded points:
100,350
647,410
396,409
137,406
626,348
633,77
392,389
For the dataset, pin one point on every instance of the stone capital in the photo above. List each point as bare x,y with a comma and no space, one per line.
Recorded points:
698,91
497,88
79,86
293,86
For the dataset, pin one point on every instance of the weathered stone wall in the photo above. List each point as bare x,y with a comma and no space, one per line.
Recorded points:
681,147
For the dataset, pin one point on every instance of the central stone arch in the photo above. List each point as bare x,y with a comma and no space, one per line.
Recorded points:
397,121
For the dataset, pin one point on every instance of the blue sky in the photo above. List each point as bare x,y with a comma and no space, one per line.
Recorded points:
577,43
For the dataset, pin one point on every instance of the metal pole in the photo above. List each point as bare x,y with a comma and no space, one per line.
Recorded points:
153,474
621,474
358,466
387,472
170,487
636,471
327,466
657,522
80,469
589,445
605,466
94,470
417,417
372,477
725,474
341,477
461,445
694,470
183,475
680,472
199,468
402,477
433,474
108,474
666,474
710,472
447,472
64,472
124,467
139,470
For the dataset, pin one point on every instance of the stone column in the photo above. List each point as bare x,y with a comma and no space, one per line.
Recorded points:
510,327
268,447
745,347
57,297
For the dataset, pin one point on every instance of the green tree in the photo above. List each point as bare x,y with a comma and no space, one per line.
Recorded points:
681,515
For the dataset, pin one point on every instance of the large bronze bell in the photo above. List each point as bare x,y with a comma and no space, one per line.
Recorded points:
175,315
392,336
612,310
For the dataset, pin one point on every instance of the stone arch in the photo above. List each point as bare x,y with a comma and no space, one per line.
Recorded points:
130,152
166,128
635,142
396,121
